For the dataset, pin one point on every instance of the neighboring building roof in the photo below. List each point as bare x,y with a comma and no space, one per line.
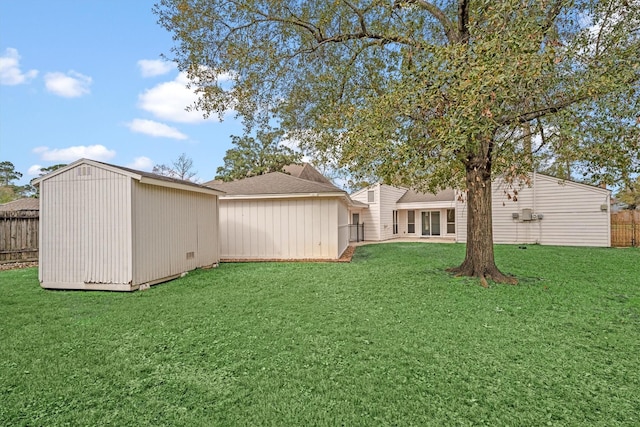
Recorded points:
412,196
306,171
26,204
143,177
273,183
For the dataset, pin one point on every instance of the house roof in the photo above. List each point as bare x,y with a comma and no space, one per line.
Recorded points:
412,196
142,176
306,171
26,204
274,183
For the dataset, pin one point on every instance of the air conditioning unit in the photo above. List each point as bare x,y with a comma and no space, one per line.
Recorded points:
526,215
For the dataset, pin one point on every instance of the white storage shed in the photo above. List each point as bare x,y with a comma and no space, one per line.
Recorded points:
106,227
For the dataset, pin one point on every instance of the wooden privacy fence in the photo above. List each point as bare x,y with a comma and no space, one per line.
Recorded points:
625,228
19,236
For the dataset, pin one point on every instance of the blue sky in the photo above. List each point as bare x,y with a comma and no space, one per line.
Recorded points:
84,78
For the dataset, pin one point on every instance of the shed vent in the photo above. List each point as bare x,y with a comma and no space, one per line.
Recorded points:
191,255
84,171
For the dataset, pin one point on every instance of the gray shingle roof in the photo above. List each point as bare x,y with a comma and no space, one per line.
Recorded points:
273,183
412,196
153,175
26,204
306,171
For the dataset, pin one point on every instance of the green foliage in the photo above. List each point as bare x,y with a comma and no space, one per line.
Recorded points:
52,168
416,92
256,156
388,339
630,194
8,190
7,194
8,174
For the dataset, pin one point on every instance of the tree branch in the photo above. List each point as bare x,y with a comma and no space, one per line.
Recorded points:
463,21
447,25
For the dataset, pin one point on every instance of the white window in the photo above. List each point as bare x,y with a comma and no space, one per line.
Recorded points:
411,222
395,222
451,221
371,196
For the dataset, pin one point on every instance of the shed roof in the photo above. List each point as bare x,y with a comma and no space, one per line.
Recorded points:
273,183
142,176
26,204
412,196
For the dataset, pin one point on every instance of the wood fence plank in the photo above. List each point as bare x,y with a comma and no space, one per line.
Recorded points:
19,235
625,228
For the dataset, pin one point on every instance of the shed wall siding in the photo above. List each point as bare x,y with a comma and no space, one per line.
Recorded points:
174,232
343,227
280,228
84,227
571,214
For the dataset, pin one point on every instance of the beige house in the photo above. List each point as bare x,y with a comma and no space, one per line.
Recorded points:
283,216
550,211
105,227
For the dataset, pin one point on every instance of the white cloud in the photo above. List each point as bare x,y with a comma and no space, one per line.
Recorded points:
141,163
156,129
10,72
167,101
34,170
154,67
70,85
71,154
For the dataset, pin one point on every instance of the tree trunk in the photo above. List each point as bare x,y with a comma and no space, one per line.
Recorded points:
479,259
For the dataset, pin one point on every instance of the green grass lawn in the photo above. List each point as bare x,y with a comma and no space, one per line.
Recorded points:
389,339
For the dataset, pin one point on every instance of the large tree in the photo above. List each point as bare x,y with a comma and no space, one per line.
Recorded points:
8,190
426,94
256,155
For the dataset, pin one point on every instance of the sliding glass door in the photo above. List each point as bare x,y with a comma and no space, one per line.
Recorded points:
431,223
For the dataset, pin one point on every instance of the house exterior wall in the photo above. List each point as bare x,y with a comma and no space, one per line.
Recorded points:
85,226
371,216
572,214
378,219
173,231
388,197
287,228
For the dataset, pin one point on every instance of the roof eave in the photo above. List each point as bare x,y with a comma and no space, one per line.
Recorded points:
278,196
178,186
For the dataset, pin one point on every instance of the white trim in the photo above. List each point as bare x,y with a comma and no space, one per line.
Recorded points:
178,186
426,205
279,196
93,163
